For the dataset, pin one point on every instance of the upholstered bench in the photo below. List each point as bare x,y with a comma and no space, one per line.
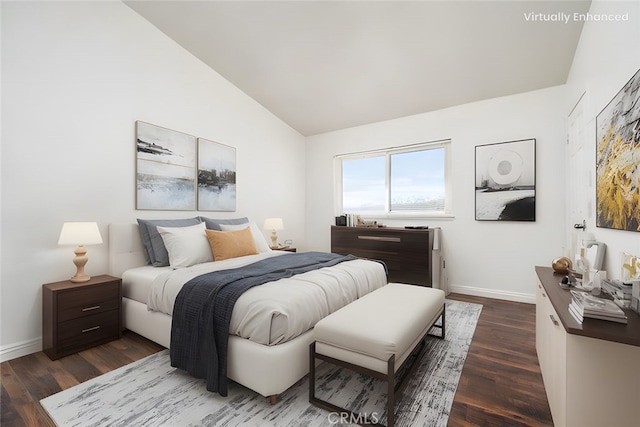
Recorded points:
375,335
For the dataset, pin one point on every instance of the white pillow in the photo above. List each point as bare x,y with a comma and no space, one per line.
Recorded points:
186,246
258,237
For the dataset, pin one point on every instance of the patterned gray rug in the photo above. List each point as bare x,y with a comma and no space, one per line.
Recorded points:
150,392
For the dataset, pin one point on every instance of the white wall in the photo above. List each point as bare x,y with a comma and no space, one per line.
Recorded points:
497,259
75,78
482,257
608,55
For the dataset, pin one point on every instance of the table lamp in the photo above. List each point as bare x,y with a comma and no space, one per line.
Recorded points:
80,233
273,224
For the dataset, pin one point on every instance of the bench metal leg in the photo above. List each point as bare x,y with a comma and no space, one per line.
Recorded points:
442,325
312,372
391,398
323,404
444,316
393,389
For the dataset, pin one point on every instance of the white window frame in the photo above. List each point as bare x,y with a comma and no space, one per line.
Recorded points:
387,152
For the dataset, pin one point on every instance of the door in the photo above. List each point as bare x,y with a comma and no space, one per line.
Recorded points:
579,191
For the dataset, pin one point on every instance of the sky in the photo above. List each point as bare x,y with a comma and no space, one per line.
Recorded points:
415,176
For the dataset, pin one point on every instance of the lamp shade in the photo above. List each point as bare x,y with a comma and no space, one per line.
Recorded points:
80,233
273,224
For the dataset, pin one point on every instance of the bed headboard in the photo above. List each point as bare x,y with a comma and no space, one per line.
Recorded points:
125,248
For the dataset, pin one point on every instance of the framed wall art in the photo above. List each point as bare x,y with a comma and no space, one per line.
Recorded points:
165,168
216,176
506,181
618,160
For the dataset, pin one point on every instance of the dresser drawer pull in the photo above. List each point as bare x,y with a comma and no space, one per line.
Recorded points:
380,239
90,329
553,319
95,307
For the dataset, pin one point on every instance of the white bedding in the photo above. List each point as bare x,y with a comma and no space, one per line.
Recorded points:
136,282
275,312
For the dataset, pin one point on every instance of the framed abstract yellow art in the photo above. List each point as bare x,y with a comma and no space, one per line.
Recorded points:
618,160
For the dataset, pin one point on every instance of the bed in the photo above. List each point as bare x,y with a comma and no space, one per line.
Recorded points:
269,367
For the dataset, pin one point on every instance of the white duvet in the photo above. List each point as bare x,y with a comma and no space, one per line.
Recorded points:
278,311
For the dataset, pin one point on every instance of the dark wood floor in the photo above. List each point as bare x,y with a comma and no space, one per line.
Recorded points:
500,384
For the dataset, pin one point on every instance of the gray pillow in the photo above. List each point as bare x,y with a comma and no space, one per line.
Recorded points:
155,251
214,224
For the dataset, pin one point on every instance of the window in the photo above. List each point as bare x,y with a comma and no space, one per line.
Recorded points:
396,181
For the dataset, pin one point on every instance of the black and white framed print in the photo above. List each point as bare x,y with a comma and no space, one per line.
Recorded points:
617,160
165,168
216,176
506,181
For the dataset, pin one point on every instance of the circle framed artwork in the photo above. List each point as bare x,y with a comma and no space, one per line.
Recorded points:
505,188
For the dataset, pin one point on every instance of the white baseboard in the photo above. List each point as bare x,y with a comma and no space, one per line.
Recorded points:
492,293
20,349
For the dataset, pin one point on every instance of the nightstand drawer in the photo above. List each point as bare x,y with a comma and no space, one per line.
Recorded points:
88,301
78,333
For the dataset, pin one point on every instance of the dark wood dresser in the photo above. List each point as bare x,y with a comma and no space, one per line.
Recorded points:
77,316
406,252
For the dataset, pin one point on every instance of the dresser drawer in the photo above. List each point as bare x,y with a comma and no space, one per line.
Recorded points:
88,301
81,332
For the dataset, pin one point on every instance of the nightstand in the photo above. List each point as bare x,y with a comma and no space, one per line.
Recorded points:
77,316
284,248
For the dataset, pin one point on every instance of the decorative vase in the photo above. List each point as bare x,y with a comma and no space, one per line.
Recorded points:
562,265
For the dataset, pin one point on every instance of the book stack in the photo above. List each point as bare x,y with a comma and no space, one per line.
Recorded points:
586,305
619,291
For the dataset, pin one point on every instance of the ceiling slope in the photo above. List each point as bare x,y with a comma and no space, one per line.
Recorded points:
327,65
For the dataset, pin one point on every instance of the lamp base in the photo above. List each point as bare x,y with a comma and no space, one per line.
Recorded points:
80,260
80,279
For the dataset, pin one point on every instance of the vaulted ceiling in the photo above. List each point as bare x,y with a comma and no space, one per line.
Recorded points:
327,65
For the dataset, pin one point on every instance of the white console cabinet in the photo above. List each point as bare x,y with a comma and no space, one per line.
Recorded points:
591,372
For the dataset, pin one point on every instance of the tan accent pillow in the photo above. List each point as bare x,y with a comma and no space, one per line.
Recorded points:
231,244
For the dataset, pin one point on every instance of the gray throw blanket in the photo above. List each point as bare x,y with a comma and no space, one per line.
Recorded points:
203,307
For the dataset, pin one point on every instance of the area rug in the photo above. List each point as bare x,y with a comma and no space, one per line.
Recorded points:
149,392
